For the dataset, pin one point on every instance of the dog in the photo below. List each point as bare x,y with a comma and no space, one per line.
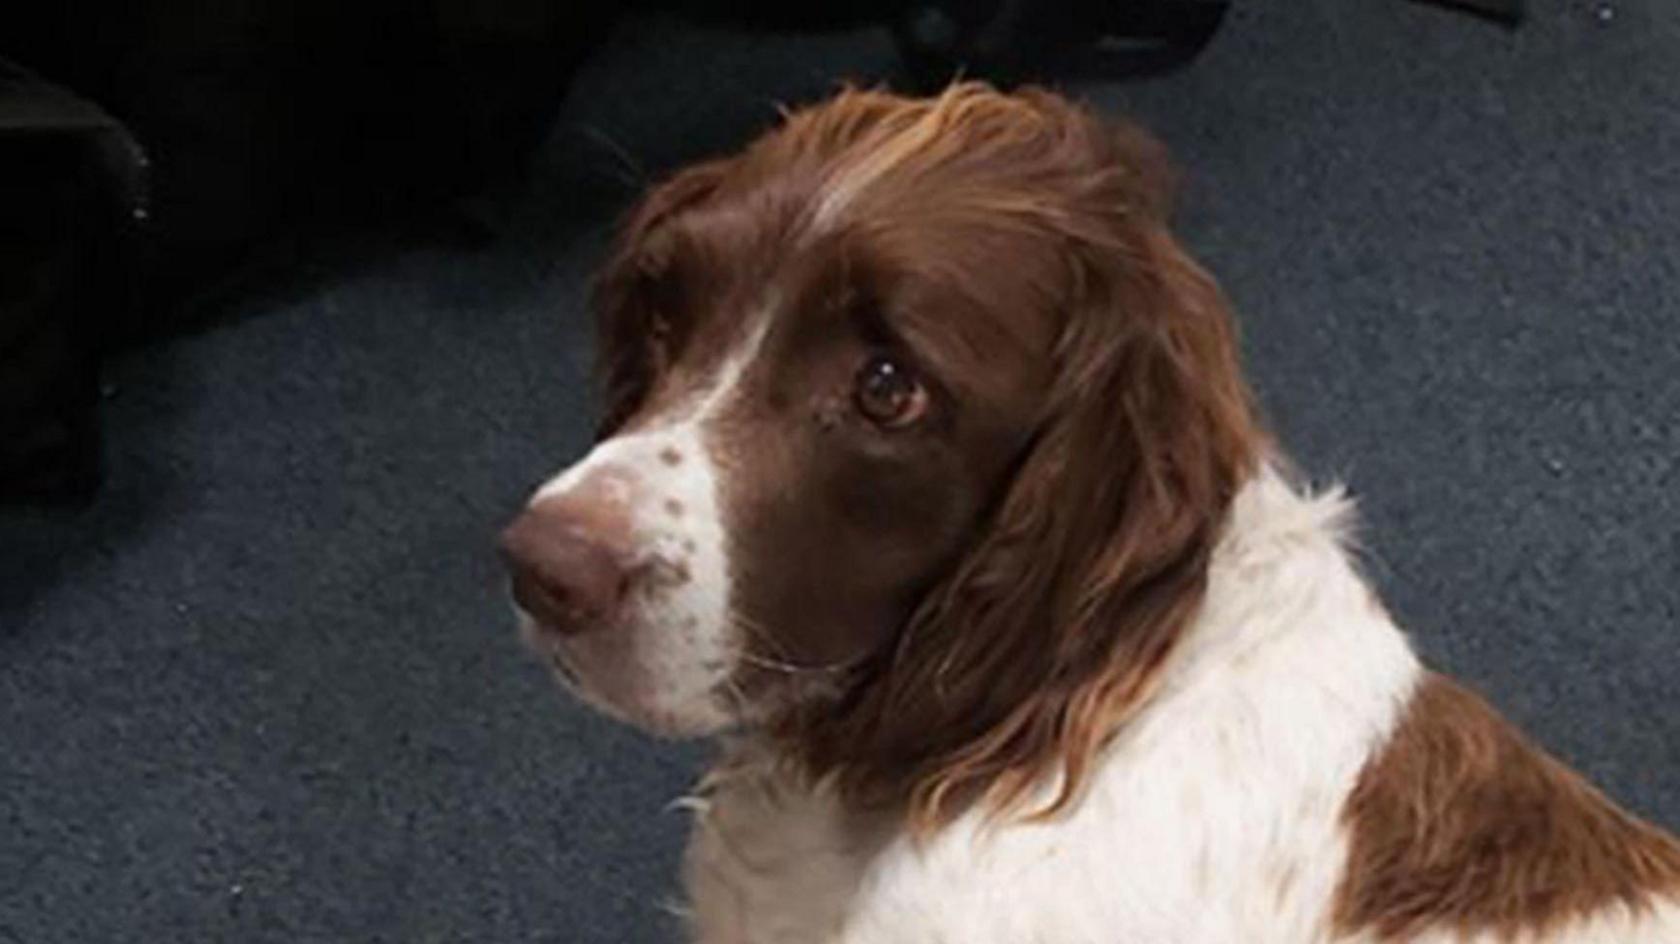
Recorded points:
928,480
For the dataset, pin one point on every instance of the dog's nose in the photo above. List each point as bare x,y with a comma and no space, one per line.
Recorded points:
566,564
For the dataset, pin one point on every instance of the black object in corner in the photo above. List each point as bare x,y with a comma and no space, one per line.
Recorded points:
71,195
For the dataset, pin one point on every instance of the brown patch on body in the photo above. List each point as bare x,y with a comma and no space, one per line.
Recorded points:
673,507
670,456
1460,823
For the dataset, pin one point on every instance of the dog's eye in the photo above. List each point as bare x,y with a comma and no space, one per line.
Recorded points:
888,393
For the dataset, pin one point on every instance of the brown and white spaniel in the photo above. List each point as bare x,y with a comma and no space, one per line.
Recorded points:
929,477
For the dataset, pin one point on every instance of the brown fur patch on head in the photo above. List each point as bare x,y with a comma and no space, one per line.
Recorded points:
1460,823
1050,631
630,298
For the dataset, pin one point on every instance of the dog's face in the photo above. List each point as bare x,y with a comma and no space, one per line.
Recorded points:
916,416
809,418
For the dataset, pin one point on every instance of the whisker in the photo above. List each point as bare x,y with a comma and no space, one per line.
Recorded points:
761,634
794,668
781,660
743,705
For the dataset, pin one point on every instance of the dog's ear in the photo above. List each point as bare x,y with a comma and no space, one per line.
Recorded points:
1045,638
626,297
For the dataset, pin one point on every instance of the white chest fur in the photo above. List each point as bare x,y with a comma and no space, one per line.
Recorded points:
1213,817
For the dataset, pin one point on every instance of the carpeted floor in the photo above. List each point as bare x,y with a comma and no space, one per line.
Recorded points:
265,688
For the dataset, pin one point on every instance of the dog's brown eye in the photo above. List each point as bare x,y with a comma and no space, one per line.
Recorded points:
888,393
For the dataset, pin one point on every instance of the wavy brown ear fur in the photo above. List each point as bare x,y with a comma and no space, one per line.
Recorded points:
1050,633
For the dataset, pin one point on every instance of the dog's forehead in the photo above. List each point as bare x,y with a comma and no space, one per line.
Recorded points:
760,308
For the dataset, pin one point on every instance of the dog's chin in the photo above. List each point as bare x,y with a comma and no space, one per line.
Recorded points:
604,668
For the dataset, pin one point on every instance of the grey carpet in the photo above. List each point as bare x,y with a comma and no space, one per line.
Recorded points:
264,689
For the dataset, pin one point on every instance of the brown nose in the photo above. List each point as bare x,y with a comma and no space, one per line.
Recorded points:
566,563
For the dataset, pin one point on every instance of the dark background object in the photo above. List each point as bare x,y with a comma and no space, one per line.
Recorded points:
1509,12
1003,41
266,117
269,122
263,688
1010,41
71,197
269,117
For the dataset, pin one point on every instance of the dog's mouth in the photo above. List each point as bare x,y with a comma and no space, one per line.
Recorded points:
548,643
627,669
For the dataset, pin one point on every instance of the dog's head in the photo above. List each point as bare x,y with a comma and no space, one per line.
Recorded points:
918,432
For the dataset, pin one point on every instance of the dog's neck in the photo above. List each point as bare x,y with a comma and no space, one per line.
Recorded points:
1284,566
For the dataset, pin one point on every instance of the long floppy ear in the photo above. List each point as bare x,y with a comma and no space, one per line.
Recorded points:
1050,633
626,297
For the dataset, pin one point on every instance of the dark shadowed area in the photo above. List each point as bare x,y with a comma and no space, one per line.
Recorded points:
265,688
